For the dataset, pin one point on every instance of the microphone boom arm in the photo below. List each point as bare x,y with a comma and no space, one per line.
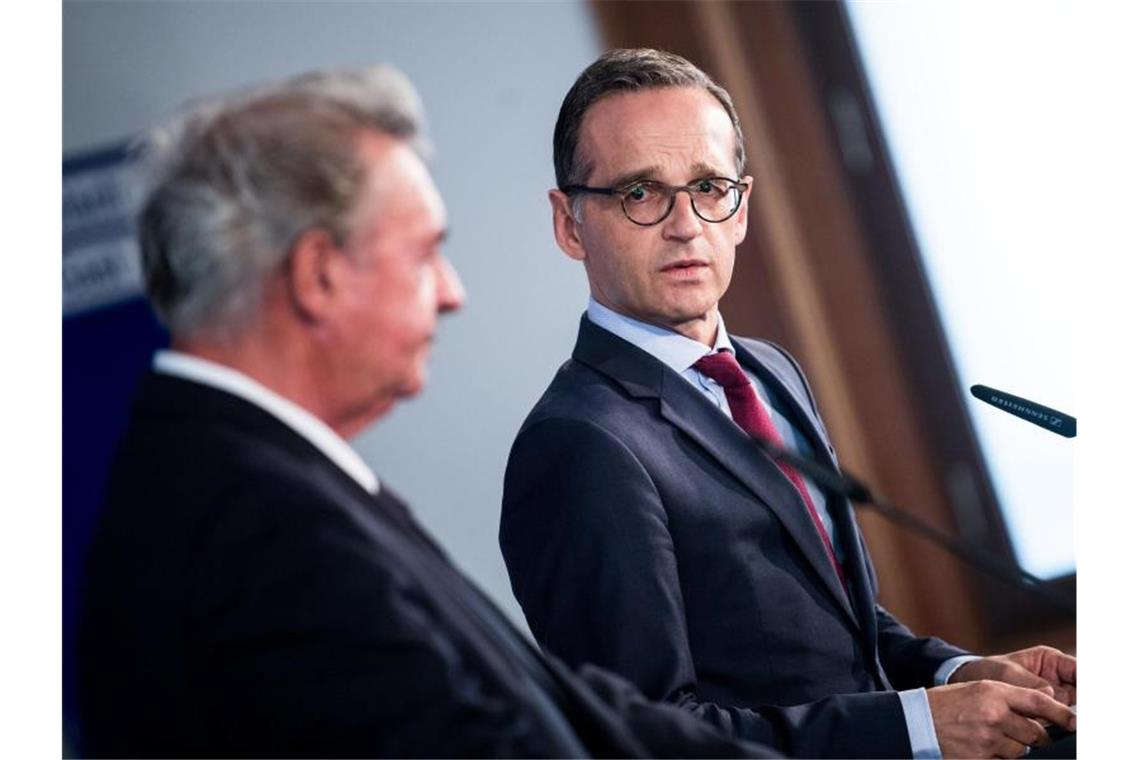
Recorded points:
840,483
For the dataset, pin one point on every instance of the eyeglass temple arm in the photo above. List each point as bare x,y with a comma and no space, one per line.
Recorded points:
587,189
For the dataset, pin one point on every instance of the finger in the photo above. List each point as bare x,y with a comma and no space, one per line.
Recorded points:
1024,730
1006,747
1034,704
1019,676
1066,695
1066,668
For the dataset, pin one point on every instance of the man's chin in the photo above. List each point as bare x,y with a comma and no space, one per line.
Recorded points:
413,386
382,403
355,422
690,314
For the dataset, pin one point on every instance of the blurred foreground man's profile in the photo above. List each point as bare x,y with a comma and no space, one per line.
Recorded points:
253,590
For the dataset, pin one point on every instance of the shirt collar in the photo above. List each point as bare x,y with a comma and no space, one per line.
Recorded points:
300,420
674,350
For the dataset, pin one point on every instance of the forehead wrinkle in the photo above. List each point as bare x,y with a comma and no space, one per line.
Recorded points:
650,173
698,170
658,153
609,142
701,170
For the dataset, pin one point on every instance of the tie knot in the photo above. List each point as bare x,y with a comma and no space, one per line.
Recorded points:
723,368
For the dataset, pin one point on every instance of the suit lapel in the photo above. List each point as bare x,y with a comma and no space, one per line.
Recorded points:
857,575
792,397
684,407
643,376
795,399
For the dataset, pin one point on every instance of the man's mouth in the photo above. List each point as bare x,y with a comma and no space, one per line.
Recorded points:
684,264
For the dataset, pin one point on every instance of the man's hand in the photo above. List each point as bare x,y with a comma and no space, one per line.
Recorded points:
992,719
1043,668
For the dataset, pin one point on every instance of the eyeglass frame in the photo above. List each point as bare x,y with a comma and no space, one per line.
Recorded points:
740,186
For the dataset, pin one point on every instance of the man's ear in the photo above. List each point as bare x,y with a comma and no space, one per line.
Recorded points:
740,221
565,226
312,275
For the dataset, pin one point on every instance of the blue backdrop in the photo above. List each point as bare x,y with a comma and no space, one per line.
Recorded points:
109,336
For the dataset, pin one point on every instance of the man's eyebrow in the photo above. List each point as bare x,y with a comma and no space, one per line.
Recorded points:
697,171
649,172
702,170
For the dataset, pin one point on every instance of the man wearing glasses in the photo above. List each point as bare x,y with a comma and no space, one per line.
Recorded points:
642,528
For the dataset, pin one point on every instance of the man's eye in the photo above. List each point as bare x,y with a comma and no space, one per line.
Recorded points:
708,187
637,193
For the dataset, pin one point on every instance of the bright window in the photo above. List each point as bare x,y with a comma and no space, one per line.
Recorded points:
973,100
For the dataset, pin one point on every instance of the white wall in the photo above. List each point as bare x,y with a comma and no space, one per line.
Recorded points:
492,77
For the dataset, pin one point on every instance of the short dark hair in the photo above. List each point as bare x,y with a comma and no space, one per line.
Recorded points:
626,70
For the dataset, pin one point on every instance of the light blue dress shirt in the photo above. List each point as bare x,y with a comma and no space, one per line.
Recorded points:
679,353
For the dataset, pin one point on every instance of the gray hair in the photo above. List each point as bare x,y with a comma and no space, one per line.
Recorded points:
237,180
626,70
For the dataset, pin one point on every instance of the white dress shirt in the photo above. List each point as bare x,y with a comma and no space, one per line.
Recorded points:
300,420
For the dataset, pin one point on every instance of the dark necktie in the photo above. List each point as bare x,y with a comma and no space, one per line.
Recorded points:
750,415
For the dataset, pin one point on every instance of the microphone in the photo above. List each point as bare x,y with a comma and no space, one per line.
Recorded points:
843,484
1030,411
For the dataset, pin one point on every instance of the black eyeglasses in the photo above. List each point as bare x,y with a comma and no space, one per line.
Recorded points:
646,202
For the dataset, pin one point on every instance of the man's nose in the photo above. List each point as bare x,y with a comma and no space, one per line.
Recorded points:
450,294
682,222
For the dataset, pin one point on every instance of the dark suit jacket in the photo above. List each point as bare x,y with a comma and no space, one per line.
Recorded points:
246,597
644,532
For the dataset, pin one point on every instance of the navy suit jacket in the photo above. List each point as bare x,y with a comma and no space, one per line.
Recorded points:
645,532
246,597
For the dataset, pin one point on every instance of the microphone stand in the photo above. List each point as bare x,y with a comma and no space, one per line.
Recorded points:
840,483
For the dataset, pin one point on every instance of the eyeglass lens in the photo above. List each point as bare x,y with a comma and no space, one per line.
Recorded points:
647,202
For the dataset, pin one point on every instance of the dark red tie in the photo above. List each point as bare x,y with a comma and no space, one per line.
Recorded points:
750,415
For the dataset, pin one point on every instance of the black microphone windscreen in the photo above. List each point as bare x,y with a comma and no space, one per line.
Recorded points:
1030,411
